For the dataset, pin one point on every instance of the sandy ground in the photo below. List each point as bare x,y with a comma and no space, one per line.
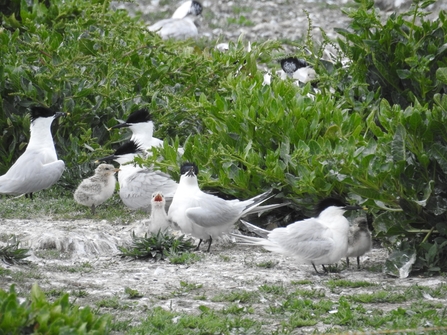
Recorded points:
82,256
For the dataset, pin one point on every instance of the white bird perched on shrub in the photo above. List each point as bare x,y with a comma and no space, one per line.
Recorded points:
137,184
318,241
38,167
95,190
159,219
181,24
359,240
203,215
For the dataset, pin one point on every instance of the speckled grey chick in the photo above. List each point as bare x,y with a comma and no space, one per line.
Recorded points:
359,240
95,190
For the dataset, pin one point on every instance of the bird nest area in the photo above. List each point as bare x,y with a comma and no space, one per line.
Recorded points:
81,257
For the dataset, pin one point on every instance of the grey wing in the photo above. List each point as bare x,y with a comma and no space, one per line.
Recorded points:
150,181
308,238
212,211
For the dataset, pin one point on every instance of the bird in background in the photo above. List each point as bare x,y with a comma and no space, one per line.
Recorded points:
159,219
203,215
142,127
181,24
38,167
137,184
359,240
320,240
97,189
297,69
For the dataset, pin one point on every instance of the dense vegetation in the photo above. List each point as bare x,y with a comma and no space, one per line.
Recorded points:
36,315
374,133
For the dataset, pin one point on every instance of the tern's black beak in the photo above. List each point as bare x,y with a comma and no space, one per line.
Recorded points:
190,173
120,125
106,159
59,114
354,207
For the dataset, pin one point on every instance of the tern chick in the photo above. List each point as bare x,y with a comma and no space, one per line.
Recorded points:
203,215
137,184
95,190
359,240
159,219
181,24
38,167
318,241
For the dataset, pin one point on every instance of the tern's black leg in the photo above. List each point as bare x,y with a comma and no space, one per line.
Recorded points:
347,262
358,262
93,209
29,195
209,245
198,246
320,273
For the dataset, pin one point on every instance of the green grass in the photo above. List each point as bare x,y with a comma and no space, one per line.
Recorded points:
57,203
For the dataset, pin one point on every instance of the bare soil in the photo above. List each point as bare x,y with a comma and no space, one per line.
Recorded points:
81,256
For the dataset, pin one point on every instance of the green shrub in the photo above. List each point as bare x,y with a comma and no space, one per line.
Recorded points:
156,246
38,316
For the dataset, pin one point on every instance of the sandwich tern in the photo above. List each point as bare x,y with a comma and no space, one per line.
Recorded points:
137,184
95,190
181,24
159,218
38,167
298,69
142,127
318,240
203,215
359,240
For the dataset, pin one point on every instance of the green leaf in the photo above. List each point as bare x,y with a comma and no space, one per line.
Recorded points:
441,75
398,149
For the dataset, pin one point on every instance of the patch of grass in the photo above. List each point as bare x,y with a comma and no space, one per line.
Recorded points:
313,293
31,272
267,264
132,294
112,303
225,258
185,288
239,296
120,325
184,258
381,296
11,253
76,268
157,246
79,293
240,21
301,282
235,309
162,322
273,289
332,283
57,203
51,254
